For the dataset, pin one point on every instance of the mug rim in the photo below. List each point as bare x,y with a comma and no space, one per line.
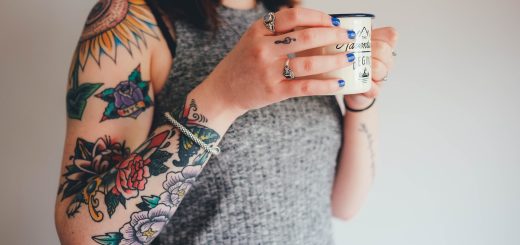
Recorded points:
353,15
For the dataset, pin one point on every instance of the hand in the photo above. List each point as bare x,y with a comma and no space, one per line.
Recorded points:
383,44
250,76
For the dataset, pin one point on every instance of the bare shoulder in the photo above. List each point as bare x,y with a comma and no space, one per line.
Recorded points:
119,38
115,26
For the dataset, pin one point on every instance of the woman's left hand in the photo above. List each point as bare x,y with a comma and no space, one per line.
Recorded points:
383,44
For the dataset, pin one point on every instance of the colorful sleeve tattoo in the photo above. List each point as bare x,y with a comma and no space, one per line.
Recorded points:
106,170
111,24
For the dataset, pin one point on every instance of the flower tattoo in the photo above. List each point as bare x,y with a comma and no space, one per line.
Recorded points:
131,175
109,169
155,212
128,99
177,185
82,178
157,209
143,228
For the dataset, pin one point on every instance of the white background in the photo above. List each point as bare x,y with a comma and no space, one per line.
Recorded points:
449,155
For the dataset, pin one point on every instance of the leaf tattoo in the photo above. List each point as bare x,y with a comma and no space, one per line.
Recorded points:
78,94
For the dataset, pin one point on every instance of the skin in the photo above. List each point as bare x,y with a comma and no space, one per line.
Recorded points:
252,84
355,172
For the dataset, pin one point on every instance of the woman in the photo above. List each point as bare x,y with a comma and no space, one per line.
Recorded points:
214,69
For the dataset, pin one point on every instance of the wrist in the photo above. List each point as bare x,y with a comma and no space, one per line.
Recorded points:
220,115
358,101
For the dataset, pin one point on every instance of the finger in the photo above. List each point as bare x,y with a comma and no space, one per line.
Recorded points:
379,70
383,52
309,38
385,34
373,92
290,18
311,65
311,87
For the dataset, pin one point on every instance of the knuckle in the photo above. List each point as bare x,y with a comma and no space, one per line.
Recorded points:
392,33
308,65
373,93
294,14
270,89
305,88
254,31
340,34
382,48
340,61
376,45
307,36
379,67
332,87
259,52
325,19
376,65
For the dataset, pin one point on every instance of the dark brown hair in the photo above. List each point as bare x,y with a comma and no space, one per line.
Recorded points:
202,13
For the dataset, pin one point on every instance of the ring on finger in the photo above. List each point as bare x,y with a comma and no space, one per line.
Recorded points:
287,72
269,20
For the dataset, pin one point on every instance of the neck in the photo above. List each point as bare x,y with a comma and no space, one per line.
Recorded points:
239,4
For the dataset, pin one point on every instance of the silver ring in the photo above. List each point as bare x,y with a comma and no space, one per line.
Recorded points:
269,19
394,53
287,72
385,78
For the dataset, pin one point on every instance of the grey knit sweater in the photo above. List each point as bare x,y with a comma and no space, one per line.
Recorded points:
272,182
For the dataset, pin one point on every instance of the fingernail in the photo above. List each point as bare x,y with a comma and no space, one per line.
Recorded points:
351,34
341,83
335,21
351,57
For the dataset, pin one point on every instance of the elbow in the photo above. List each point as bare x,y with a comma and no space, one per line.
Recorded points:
345,210
65,228
344,214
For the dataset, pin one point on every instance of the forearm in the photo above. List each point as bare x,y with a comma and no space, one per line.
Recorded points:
145,188
356,166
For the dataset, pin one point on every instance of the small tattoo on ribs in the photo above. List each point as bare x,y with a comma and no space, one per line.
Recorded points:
286,40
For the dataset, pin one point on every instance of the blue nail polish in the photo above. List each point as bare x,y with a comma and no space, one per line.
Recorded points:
335,21
351,57
351,34
341,83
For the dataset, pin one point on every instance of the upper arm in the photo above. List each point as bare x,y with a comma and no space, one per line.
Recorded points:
109,100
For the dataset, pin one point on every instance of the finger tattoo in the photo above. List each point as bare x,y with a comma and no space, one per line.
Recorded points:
286,40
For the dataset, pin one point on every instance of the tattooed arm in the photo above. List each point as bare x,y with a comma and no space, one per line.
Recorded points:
112,175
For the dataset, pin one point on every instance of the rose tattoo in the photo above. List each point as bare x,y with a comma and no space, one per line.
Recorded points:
128,99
